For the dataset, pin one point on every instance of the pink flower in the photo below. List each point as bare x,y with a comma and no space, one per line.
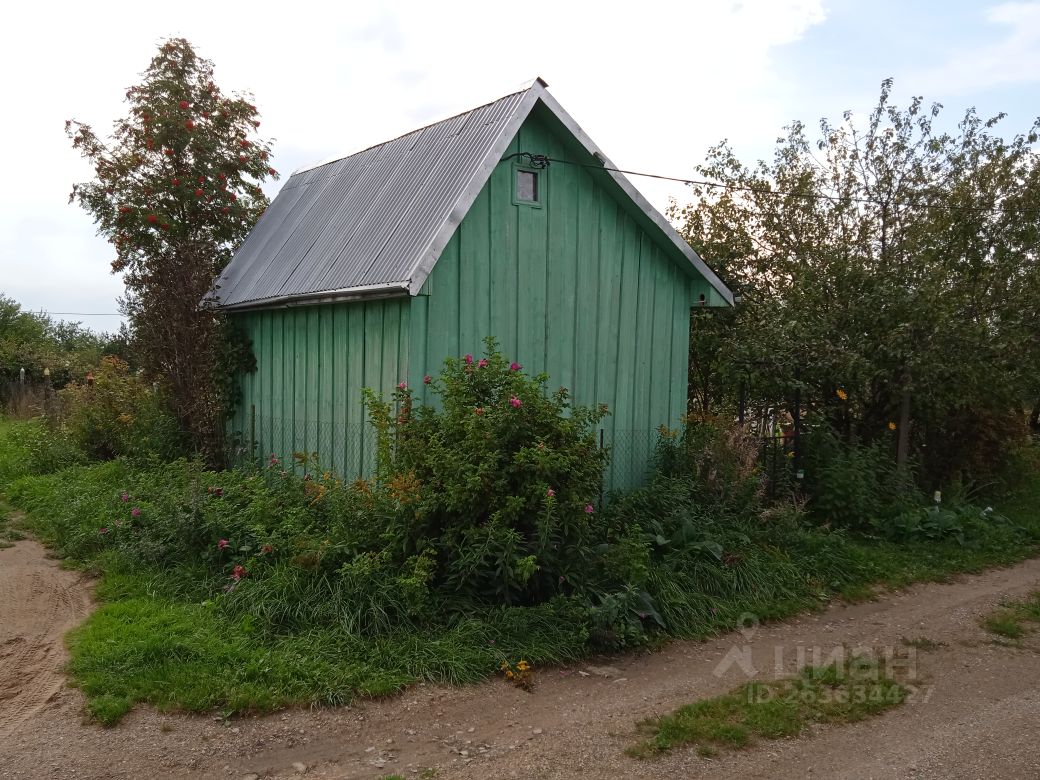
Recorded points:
427,379
550,492
222,544
135,512
588,509
124,497
515,402
273,461
482,363
468,359
402,386
479,411
102,530
515,366
239,572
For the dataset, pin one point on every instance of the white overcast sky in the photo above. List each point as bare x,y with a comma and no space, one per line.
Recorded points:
654,84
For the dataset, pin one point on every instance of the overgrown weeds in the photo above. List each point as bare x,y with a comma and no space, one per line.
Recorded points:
258,587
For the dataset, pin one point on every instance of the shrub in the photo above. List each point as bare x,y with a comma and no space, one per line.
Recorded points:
719,463
41,449
851,485
697,546
119,414
962,523
495,482
973,445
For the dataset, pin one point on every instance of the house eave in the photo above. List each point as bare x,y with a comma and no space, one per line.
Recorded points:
346,294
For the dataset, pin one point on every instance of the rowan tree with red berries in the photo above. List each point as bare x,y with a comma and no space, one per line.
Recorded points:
176,190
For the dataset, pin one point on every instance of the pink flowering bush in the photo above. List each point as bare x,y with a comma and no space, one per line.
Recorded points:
495,479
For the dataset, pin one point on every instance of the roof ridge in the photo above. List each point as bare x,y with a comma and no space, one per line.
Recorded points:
381,226
524,87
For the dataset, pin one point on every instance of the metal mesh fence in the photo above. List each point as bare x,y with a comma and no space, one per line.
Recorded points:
349,450
344,449
631,457
776,462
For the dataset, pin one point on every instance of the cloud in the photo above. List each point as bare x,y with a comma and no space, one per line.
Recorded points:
654,88
1011,60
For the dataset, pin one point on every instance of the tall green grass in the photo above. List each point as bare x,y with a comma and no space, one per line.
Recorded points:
175,630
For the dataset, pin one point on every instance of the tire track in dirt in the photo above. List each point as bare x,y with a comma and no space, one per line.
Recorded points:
980,721
577,726
39,602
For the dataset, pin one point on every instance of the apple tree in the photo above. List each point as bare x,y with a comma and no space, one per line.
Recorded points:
889,269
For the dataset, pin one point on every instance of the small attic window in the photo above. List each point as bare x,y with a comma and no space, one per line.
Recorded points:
527,188
527,185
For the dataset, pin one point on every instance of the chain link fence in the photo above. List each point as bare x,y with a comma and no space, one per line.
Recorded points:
778,465
631,457
349,450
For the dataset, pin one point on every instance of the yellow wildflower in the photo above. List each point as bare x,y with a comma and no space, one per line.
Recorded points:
891,426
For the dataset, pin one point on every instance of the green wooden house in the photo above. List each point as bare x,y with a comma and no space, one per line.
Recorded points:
506,221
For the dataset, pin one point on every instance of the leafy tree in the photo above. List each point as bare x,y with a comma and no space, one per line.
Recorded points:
176,189
892,262
35,342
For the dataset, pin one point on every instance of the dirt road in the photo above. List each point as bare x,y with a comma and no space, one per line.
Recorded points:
975,713
38,603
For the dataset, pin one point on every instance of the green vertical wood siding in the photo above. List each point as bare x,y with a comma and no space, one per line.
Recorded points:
312,363
578,288
581,288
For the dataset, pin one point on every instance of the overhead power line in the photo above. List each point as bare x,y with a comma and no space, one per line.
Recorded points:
79,313
543,161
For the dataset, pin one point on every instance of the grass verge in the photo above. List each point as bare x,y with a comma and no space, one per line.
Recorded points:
173,654
1014,619
839,693
10,531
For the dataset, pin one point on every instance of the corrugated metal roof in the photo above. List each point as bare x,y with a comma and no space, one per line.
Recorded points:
376,221
365,220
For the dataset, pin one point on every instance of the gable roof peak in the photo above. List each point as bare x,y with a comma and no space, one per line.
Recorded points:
375,222
537,84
